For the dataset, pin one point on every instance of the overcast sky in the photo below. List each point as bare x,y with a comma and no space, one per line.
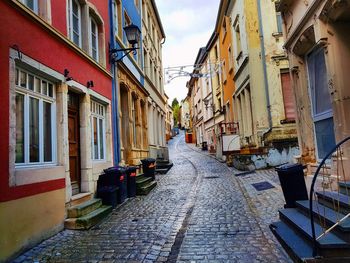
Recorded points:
188,24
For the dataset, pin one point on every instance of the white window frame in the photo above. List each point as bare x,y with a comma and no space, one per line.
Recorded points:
70,22
95,114
27,93
93,21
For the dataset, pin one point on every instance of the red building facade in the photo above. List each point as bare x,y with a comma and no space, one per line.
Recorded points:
55,113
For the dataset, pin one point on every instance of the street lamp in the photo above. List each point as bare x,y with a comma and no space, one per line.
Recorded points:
133,36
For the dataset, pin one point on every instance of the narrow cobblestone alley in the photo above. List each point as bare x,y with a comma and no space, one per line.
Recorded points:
199,212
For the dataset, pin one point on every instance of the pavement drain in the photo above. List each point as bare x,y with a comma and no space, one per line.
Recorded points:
210,177
262,186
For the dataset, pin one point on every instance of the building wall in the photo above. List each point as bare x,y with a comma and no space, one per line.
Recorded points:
41,47
227,60
20,230
324,25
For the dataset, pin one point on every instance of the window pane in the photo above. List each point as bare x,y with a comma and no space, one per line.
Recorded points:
19,128
76,38
47,132
324,136
31,82
50,88
95,144
37,85
76,22
34,130
318,82
101,139
44,88
16,77
23,81
30,4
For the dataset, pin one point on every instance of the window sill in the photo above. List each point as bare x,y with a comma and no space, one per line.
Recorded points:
38,174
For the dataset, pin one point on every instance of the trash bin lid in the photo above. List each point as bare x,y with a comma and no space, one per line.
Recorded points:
288,167
115,169
148,160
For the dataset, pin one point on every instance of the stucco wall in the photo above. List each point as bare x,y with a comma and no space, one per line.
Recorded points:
21,225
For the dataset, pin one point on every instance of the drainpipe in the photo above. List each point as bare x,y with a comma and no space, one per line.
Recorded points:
266,84
115,108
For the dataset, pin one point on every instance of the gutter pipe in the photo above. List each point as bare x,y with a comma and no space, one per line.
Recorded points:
266,84
115,107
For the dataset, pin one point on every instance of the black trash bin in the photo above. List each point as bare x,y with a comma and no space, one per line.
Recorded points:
131,179
117,177
108,194
149,167
204,146
292,181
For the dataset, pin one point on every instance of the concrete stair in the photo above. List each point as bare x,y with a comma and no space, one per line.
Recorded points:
86,215
163,166
294,230
144,184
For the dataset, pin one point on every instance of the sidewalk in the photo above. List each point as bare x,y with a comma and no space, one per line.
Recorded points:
264,203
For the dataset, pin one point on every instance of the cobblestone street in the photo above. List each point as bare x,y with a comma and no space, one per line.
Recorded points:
199,212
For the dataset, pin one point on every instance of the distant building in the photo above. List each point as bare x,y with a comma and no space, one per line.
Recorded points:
152,41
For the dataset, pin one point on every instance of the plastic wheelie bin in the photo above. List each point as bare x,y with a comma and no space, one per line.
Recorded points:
117,175
149,167
131,180
292,181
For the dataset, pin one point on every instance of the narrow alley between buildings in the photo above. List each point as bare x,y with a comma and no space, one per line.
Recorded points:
199,212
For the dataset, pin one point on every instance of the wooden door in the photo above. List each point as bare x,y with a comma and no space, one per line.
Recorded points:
74,142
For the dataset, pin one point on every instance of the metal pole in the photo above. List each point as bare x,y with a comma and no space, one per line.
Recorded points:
115,108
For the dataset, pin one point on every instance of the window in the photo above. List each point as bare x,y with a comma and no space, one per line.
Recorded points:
74,22
137,4
230,61
133,108
32,4
93,39
279,22
118,18
238,41
288,97
98,113
321,102
127,21
35,119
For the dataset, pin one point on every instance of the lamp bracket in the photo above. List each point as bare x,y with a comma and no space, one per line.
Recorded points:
116,52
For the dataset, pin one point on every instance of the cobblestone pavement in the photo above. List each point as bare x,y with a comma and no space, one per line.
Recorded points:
199,212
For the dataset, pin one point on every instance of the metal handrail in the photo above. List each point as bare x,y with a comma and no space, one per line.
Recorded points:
314,239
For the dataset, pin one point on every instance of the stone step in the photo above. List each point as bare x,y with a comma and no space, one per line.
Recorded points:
298,248
162,170
344,188
84,208
335,199
141,181
301,223
326,214
79,199
89,220
144,190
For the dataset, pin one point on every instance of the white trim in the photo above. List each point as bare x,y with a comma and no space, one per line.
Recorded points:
98,96
26,61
